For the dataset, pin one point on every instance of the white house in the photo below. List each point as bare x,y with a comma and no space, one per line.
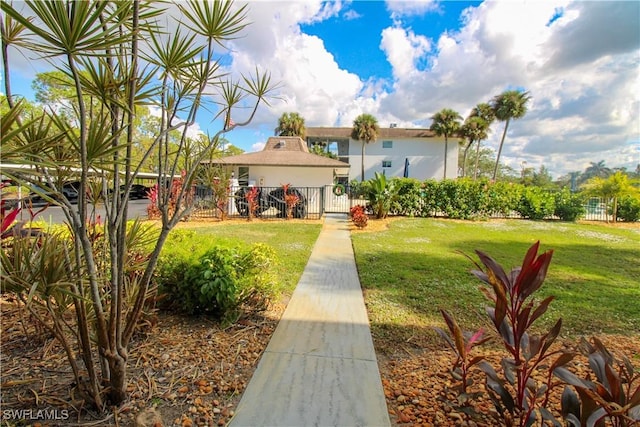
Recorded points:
416,153
284,160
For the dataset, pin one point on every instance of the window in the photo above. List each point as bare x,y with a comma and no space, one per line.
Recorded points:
243,176
386,163
387,144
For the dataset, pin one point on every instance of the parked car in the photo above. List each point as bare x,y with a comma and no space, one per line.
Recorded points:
139,191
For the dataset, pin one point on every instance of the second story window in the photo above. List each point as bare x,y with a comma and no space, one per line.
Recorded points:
386,163
387,144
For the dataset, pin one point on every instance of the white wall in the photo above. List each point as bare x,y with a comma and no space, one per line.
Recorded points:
296,176
425,158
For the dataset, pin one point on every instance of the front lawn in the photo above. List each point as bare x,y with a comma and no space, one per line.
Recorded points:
414,268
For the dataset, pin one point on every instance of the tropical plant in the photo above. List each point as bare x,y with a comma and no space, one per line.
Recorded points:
511,104
365,129
97,46
446,122
614,393
485,112
595,169
612,189
291,199
381,194
252,202
462,344
291,124
516,394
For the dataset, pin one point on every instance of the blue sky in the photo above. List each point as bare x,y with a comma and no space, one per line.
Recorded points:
402,61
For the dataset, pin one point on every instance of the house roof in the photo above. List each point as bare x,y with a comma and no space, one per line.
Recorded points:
324,132
283,151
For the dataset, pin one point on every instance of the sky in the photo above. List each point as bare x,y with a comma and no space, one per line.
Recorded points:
402,61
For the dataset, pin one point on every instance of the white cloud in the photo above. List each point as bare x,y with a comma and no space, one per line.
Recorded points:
399,8
583,100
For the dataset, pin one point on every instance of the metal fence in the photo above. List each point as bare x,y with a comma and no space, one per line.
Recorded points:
313,202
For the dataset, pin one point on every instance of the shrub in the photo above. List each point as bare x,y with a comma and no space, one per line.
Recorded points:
408,199
429,195
223,282
359,216
536,203
569,206
628,209
502,197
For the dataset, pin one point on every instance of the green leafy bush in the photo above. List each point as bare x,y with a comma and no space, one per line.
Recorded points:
628,209
224,281
408,200
429,194
569,206
536,203
502,197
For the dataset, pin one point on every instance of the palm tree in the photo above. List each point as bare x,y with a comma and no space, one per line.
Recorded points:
291,124
511,104
446,122
365,129
485,112
475,129
596,170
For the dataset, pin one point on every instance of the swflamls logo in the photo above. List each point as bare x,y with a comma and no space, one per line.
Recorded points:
35,414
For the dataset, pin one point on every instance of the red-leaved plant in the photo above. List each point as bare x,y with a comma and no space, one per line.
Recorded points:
359,216
613,395
518,397
290,199
252,201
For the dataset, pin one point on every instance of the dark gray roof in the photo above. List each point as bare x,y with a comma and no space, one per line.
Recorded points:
324,132
282,151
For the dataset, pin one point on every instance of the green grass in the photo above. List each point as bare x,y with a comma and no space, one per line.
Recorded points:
292,242
414,268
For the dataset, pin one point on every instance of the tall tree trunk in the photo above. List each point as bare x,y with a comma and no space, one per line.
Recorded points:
464,157
362,161
475,170
446,150
504,134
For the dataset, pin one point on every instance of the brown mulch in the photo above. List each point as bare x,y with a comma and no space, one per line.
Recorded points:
189,371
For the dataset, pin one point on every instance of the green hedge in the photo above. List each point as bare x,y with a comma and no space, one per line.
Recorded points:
465,198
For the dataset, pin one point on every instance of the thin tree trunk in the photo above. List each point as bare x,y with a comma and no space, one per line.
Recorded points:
475,171
504,134
362,160
446,150
464,157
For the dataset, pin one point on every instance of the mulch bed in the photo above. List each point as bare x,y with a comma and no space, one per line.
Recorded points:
191,372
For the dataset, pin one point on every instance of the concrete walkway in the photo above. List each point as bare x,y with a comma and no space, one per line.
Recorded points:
320,366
